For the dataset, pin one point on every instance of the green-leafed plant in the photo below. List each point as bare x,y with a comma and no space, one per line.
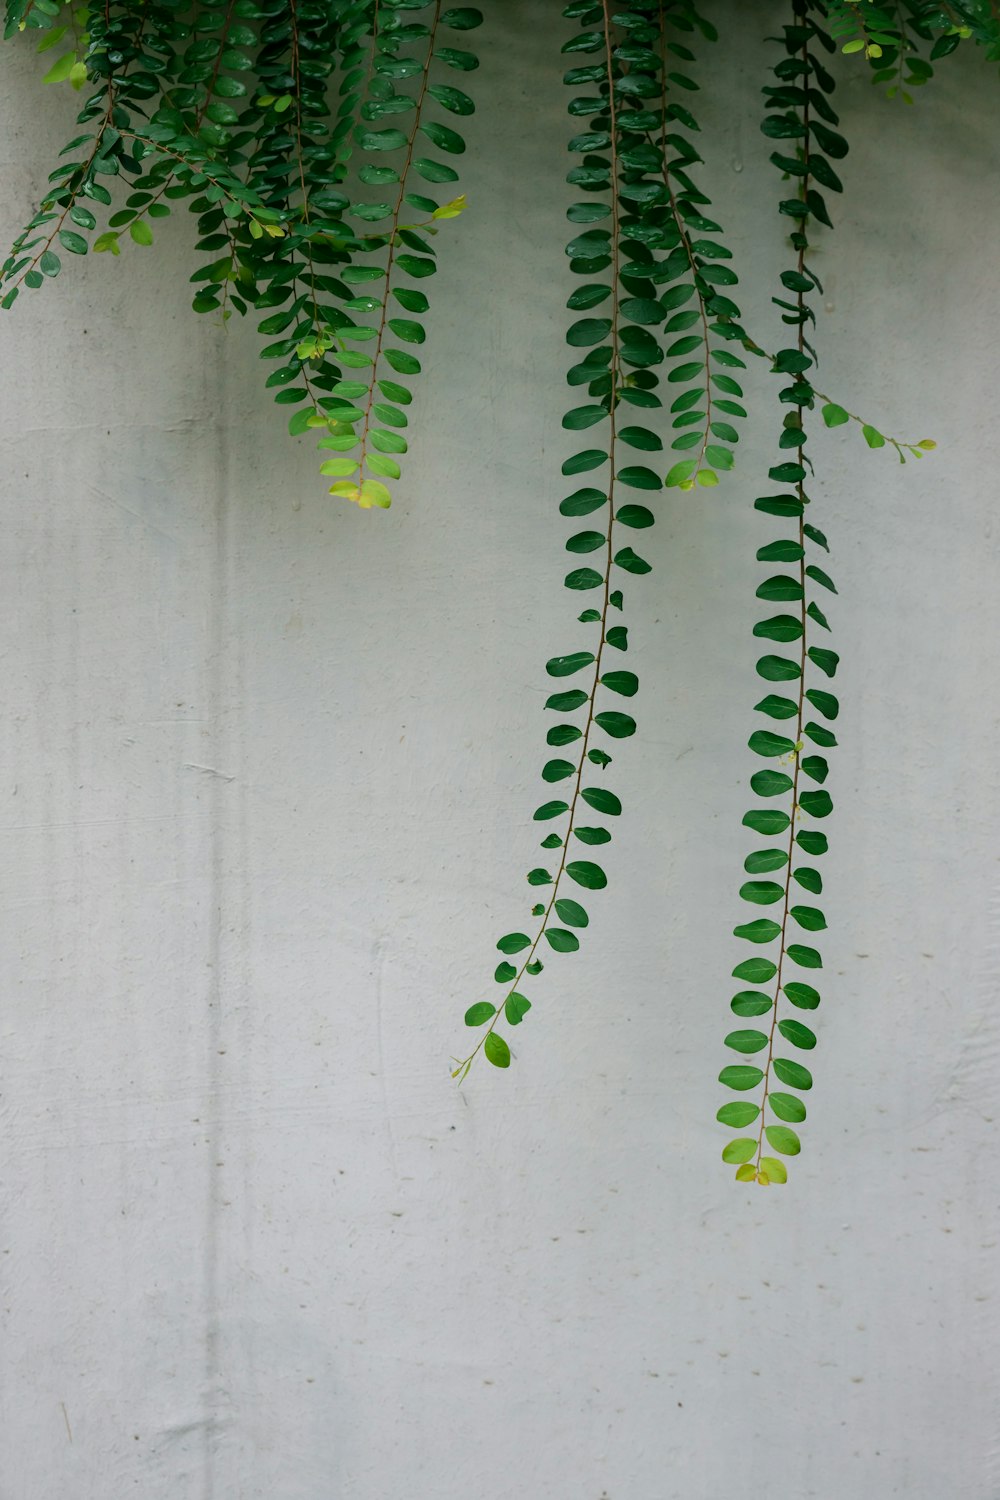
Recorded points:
314,141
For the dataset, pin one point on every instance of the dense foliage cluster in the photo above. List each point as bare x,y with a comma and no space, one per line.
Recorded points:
314,141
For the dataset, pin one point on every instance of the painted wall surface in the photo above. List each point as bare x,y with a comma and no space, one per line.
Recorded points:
268,767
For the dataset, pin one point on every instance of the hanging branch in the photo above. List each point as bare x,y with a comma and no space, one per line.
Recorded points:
803,115
618,170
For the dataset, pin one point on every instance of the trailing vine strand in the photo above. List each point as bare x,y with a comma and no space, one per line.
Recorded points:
803,115
315,143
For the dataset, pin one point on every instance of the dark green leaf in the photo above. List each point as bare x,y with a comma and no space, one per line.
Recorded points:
770,783
561,940
762,892
778,669
792,1073
571,912
565,666
602,801
618,725
763,742
590,876
797,1034
565,703
746,1041
751,1003
777,708
802,995
761,931
755,970
766,820
763,860
625,683
593,835
817,804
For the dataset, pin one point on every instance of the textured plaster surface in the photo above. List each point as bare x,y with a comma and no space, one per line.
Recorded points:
267,771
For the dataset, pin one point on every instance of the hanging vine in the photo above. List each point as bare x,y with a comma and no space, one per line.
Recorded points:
315,143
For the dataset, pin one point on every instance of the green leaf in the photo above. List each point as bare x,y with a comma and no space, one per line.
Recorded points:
549,810
826,703
565,703
61,69
770,783
737,1114
778,669
740,1076
565,666
773,1170
379,464
762,892
561,940
817,804
618,725
763,860
497,1051
766,820
514,942
751,1003
583,578
590,876
787,1107
802,995
638,477
834,415
592,835
797,1034
73,242
602,801
739,1150
462,18
809,917
557,770
763,742
806,958
777,708
746,1041
779,628
762,931
515,1008
781,1138
583,502
504,973
480,1012
625,683
634,515
680,473
827,661
140,232
583,416
755,970
571,912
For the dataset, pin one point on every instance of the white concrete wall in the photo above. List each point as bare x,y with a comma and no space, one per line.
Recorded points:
268,768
